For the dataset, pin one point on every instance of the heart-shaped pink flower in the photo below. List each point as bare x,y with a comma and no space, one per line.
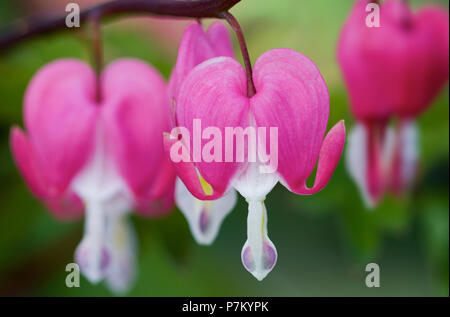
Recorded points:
396,69
107,154
291,107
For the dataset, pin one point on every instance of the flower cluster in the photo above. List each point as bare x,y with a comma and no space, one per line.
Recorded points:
106,157
104,145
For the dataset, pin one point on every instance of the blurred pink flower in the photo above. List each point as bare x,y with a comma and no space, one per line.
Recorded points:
396,69
292,97
108,155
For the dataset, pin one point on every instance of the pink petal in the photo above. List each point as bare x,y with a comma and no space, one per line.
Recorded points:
364,61
65,207
430,63
330,153
160,199
25,159
159,206
398,67
135,118
188,173
60,115
292,96
196,47
220,40
215,92
165,179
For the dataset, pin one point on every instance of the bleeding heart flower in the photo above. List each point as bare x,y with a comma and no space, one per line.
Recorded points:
108,155
197,46
395,69
292,101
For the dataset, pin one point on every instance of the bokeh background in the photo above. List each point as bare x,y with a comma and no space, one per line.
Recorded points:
324,241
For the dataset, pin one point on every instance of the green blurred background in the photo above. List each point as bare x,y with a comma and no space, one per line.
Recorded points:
324,241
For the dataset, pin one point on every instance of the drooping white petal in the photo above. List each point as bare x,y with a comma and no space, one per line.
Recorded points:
99,180
409,152
388,151
204,217
122,244
259,254
92,255
356,161
100,186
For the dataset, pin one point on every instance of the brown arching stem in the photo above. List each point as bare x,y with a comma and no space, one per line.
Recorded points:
196,9
97,52
251,90
170,8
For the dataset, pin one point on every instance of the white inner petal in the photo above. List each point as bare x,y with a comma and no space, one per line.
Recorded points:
356,161
259,254
122,243
102,190
204,217
99,180
254,185
409,151
91,253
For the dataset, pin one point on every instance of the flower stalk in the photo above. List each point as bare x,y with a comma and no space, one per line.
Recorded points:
173,8
169,8
251,90
97,51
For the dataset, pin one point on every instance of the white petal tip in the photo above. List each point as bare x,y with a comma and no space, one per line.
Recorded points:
205,241
204,217
92,277
121,239
260,266
205,232
120,287
93,264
